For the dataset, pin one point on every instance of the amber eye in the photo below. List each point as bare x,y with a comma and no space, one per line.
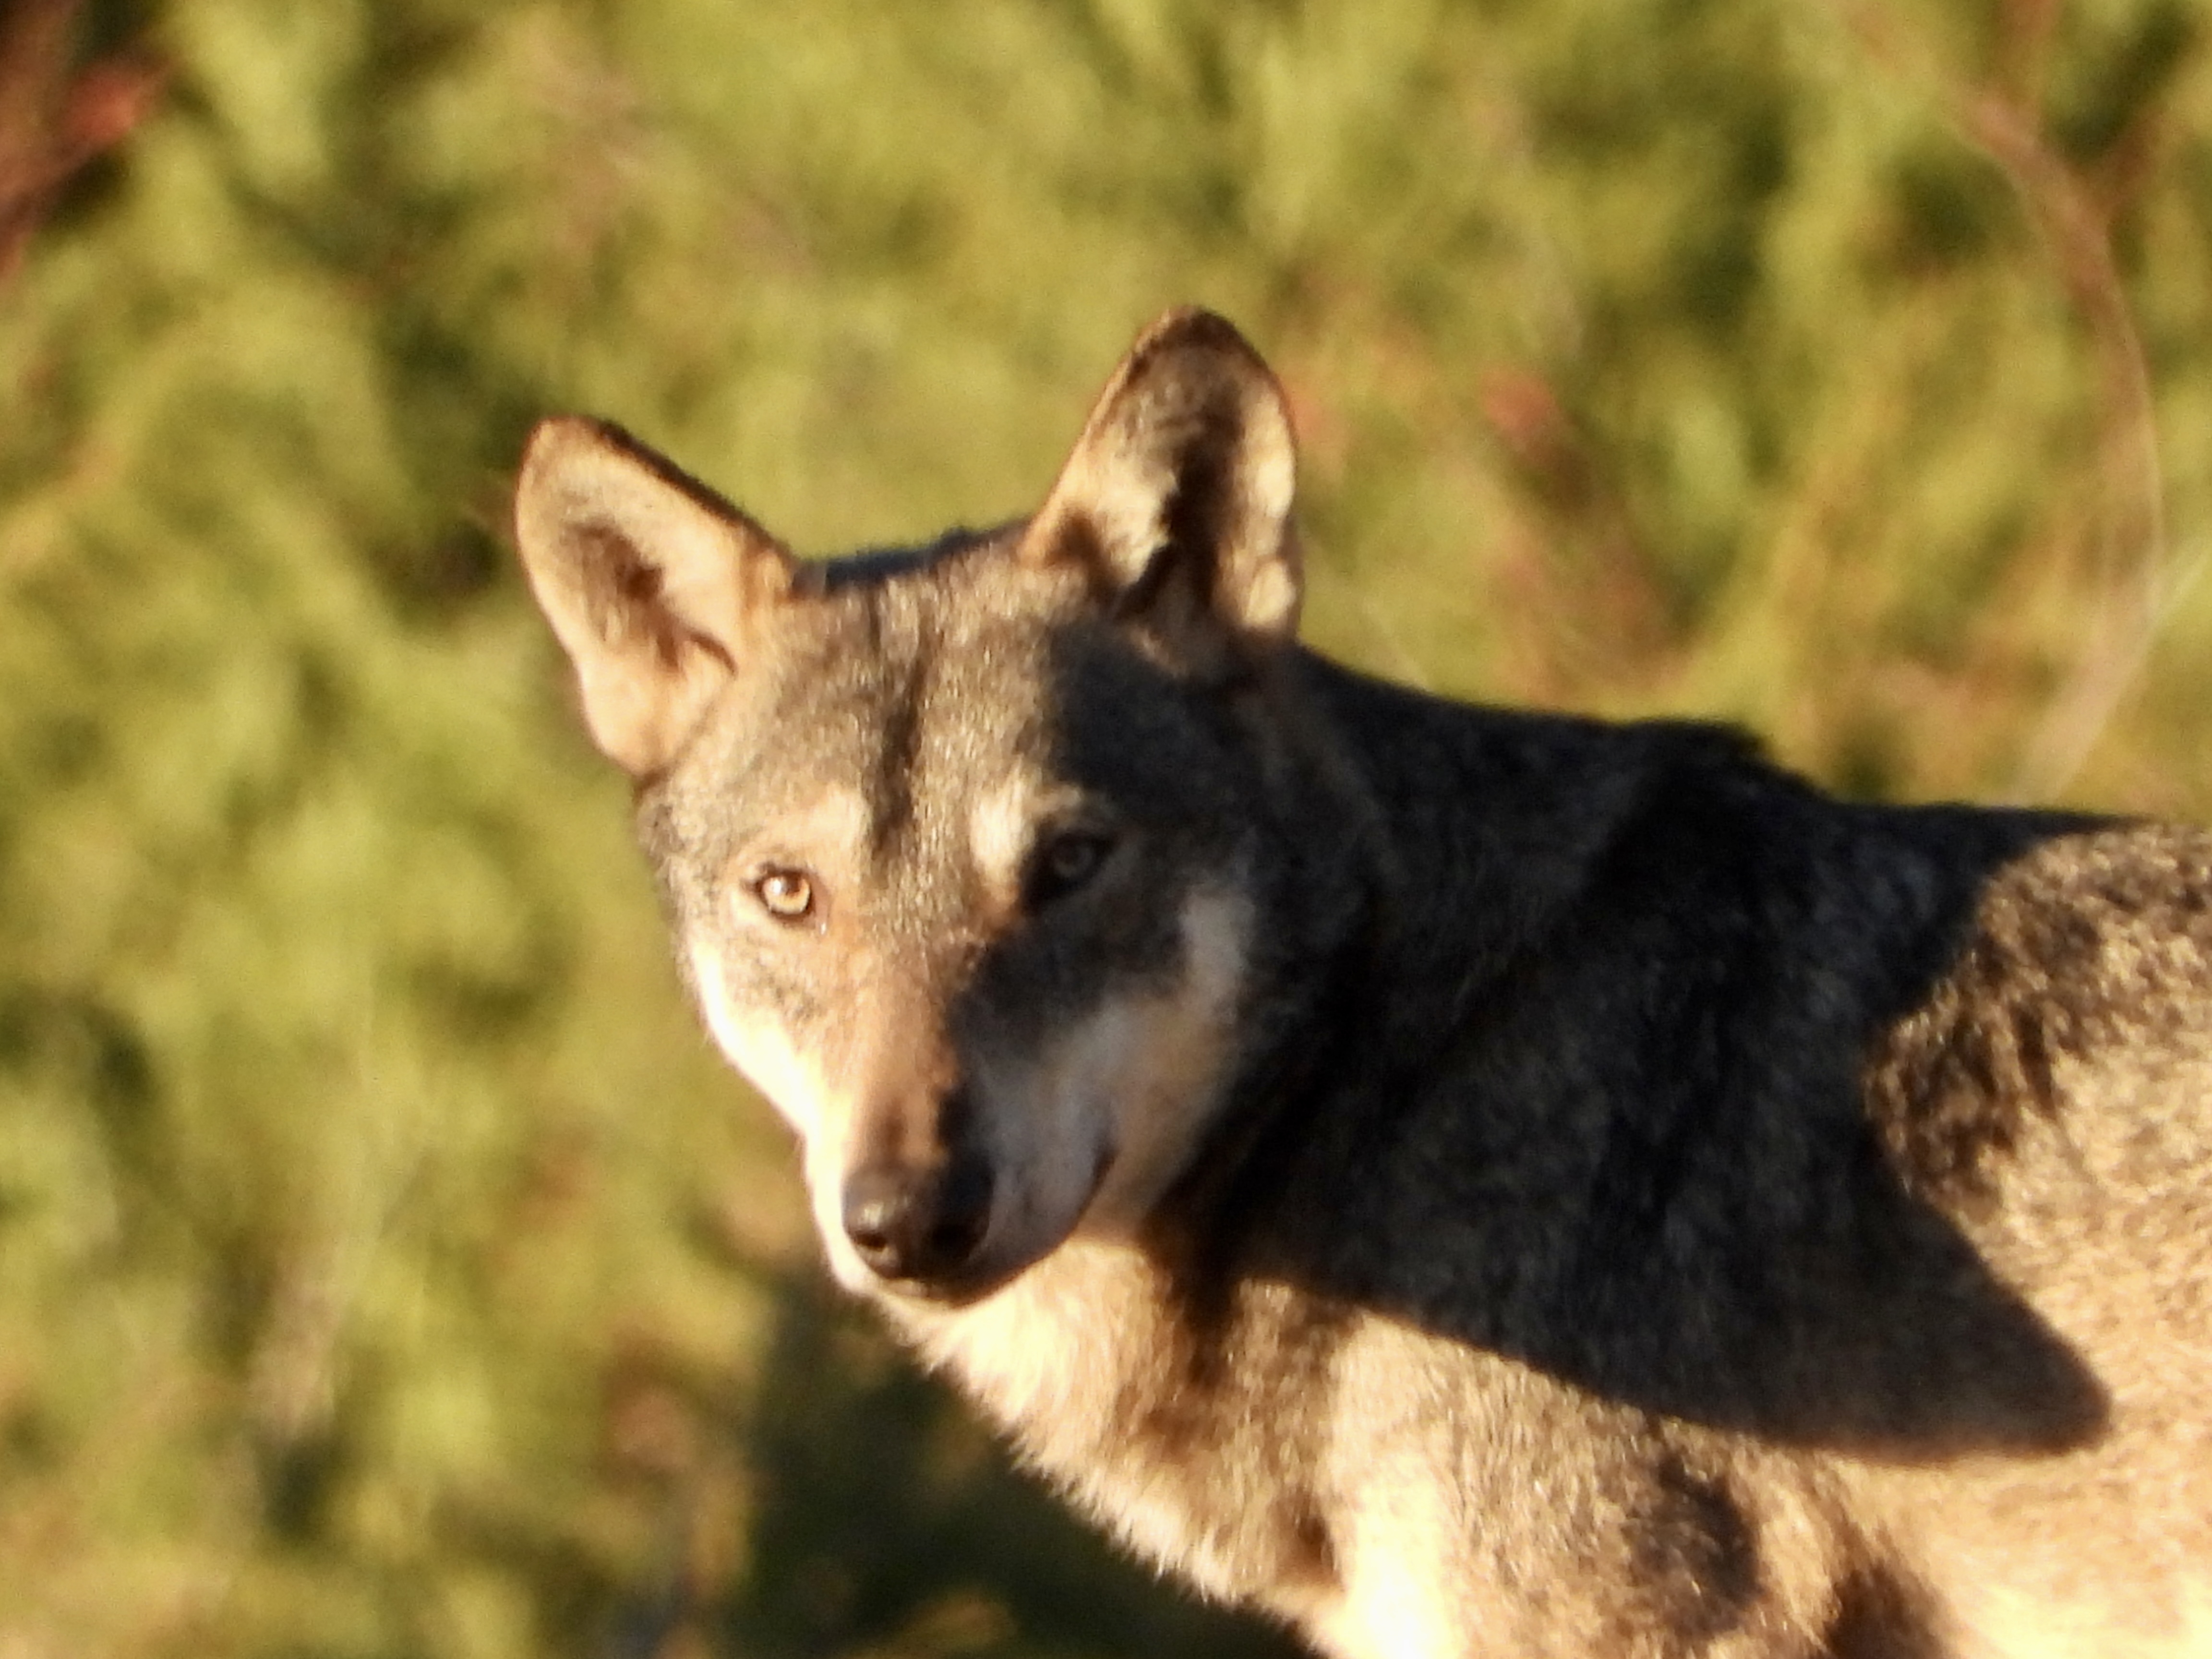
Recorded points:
787,895
1065,863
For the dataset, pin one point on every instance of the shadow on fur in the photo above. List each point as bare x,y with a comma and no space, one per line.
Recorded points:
1719,1255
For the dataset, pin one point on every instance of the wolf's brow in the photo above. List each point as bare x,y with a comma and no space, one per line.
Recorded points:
890,784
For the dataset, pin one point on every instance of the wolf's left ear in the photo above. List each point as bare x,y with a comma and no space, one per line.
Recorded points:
651,581
1177,500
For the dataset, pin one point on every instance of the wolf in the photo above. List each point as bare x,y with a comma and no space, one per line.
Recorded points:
1467,1182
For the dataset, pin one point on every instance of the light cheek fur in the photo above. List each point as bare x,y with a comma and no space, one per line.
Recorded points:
800,1090
1173,1059
1128,1088
758,1046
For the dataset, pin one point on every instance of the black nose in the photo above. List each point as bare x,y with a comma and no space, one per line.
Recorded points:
919,1223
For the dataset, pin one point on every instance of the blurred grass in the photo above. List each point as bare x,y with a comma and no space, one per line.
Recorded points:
384,1267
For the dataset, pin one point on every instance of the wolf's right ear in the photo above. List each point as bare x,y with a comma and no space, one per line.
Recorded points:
1177,501
651,581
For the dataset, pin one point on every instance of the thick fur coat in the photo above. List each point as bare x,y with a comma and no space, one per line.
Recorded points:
1470,1182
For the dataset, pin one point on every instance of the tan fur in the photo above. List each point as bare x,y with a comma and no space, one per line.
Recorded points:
1064,1403
2003,1622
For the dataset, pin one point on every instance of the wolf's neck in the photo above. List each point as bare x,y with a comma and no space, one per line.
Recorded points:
1418,850
1485,822
1115,1386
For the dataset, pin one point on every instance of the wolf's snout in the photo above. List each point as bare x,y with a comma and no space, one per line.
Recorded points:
919,1223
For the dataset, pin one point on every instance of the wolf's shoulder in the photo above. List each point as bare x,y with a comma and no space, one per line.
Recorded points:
2106,930
2122,878
2079,1004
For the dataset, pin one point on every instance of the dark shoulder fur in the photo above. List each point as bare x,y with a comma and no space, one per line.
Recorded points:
1603,1056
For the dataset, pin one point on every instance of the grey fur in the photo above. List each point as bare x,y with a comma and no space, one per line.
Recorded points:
1632,1203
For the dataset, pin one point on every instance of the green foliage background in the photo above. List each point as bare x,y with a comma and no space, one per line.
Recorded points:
384,1267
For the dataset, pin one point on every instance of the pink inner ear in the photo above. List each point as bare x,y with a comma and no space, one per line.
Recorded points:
632,604
648,580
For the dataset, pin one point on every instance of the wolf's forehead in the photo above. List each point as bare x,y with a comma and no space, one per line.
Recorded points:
935,700
915,721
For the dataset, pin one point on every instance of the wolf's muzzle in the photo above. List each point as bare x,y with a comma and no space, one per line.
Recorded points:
919,1223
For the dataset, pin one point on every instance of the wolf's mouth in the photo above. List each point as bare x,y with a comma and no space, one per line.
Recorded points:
963,1289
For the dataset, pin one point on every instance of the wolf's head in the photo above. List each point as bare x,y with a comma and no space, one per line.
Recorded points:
957,842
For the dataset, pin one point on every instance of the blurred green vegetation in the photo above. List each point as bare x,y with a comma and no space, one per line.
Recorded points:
384,1267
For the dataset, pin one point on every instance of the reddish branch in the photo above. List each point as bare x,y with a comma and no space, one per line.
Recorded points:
55,114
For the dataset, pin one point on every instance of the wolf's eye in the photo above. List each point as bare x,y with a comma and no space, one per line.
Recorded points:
787,895
1066,862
